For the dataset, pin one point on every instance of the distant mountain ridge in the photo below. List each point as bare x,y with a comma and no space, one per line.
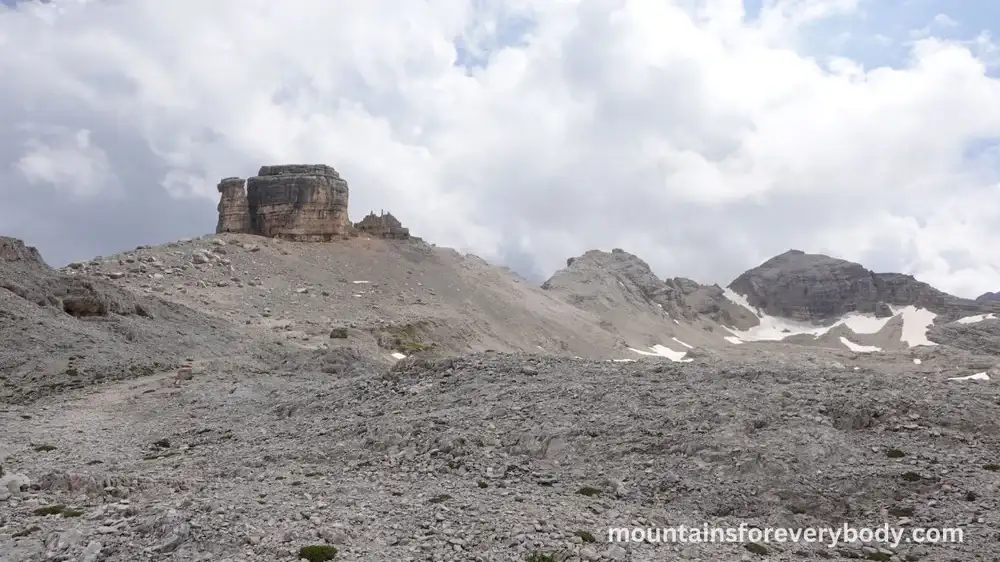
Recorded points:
819,288
794,297
393,297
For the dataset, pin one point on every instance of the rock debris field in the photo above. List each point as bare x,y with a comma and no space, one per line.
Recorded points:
301,435
497,457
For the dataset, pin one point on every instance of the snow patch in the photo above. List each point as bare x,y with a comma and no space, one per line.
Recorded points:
733,339
361,282
917,361
862,323
975,319
769,328
916,321
975,377
398,355
664,351
682,343
858,347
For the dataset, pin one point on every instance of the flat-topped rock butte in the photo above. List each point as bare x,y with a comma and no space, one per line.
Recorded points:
296,202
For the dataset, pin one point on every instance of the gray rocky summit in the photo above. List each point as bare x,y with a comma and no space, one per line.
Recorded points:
815,287
989,297
621,282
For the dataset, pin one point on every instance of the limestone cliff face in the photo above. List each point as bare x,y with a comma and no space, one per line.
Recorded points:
298,202
234,214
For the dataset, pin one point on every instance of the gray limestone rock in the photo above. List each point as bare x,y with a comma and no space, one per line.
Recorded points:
298,202
814,287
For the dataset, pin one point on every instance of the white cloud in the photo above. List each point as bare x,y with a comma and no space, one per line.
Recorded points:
944,20
676,130
67,160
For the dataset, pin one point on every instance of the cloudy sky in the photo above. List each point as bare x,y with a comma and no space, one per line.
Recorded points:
703,135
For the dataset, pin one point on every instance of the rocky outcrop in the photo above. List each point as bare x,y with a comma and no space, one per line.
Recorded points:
383,225
234,212
297,202
24,274
293,202
597,281
979,337
14,251
814,287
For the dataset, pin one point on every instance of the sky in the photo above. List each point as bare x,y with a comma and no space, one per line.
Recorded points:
704,136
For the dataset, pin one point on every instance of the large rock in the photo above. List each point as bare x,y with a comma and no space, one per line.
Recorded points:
234,212
814,287
298,202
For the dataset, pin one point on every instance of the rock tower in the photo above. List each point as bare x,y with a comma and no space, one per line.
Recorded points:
234,214
296,202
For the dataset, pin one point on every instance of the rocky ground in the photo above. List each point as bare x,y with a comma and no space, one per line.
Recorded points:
379,290
300,428
62,332
497,457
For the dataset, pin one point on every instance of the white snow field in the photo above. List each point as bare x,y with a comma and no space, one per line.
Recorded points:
916,321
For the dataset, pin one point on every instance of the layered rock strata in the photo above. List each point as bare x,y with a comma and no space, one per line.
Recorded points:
297,202
234,214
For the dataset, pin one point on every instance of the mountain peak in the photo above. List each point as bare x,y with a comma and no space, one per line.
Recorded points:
817,288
